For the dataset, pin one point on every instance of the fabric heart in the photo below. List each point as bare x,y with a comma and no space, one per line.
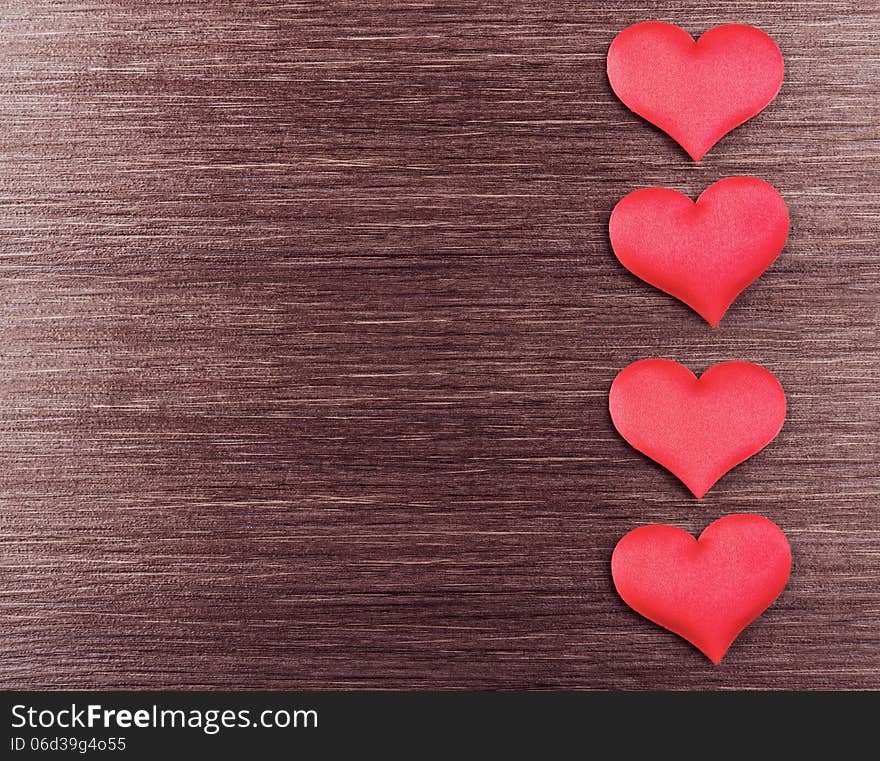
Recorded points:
706,590
697,428
704,253
696,92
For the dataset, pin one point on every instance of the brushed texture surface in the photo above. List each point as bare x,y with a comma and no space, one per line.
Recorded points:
309,317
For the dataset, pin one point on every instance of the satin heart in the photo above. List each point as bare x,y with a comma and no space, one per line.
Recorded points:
696,92
704,253
706,590
697,428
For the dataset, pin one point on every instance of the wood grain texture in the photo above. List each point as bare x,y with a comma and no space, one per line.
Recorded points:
309,317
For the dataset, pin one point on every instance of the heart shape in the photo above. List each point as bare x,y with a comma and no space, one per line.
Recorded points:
696,92
704,253
706,590
697,428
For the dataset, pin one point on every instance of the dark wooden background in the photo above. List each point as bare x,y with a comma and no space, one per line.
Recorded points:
308,322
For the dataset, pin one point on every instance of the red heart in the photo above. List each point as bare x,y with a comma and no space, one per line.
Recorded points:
696,92
697,428
706,590
704,253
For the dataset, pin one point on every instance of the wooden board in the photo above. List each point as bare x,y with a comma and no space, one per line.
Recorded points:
309,317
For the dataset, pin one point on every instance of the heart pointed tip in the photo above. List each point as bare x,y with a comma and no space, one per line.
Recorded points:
712,316
715,656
